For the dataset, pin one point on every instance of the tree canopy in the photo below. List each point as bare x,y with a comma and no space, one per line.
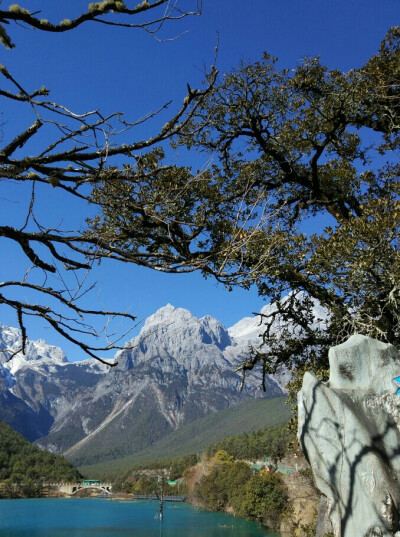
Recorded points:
230,484
25,464
302,200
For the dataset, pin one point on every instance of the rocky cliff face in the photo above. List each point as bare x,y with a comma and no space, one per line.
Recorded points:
349,429
39,388
177,369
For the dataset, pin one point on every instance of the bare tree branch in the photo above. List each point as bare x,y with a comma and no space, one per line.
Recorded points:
77,152
96,12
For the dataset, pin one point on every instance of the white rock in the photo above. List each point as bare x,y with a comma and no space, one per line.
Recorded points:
349,429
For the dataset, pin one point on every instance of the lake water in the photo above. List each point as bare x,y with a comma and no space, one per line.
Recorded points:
91,517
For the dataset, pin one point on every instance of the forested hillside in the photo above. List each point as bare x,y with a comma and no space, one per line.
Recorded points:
269,441
199,435
230,485
24,467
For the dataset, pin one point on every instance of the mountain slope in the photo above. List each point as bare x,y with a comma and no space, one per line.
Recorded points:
178,369
22,461
198,435
39,388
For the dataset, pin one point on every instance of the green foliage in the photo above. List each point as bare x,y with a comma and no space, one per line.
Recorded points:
199,435
222,457
307,473
310,145
178,466
309,530
222,485
142,483
144,478
260,497
229,483
264,498
28,466
175,467
269,441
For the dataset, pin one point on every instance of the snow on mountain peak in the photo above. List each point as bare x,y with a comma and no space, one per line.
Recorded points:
166,315
35,351
248,331
176,333
168,334
180,321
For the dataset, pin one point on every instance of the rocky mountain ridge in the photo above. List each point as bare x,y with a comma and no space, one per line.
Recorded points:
177,369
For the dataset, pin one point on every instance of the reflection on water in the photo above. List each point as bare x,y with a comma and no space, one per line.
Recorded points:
104,518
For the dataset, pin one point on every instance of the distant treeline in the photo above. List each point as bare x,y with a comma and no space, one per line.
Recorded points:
176,466
143,478
24,467
269,441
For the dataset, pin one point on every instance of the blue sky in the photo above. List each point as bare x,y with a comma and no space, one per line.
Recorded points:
112,69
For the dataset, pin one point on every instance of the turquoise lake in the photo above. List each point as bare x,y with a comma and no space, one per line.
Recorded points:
93,517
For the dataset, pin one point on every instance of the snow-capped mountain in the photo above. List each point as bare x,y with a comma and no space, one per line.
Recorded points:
40,385
175,332
177,369
248,331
